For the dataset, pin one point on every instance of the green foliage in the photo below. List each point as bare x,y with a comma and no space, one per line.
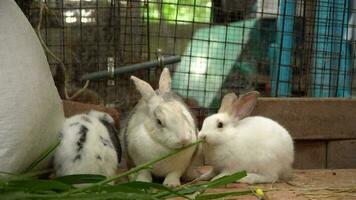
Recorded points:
89,186
179,11
44,155
80,178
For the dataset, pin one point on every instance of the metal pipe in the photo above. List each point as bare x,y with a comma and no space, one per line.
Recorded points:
131,68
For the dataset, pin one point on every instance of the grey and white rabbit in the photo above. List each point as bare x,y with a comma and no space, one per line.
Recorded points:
235,142
159,124
89,145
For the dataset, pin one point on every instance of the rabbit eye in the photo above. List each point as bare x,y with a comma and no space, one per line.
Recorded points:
159,122
220,125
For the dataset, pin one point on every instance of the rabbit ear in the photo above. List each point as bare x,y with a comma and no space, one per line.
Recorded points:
226,102
243,106
165,81
144,88
113,134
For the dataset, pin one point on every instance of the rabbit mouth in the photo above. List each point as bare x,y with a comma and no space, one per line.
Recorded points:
209,142
181,144
172,146
204,139
178,146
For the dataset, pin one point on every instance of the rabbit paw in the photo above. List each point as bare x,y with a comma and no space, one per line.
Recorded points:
144,176
172,180
252,178
222,174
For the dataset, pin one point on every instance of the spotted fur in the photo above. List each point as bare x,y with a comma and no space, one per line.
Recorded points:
86,146
77,157
86,118
83,134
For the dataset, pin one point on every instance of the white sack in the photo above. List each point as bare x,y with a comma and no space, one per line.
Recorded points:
31,112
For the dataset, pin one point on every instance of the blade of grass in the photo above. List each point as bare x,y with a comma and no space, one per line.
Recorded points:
226,179
37,173
101,190
133,170
146,186
14,177
8,173
186,191
87,196
18,177
123,188
221,195
36,185
80,178
204,186
43,156
26,175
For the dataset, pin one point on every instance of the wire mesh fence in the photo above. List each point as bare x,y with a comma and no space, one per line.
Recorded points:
282,48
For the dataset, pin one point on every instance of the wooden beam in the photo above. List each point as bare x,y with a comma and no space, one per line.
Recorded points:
310,155
312,119
341,154
72,108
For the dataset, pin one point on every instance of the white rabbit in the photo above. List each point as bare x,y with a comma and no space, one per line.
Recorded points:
234,143
89,145
159,124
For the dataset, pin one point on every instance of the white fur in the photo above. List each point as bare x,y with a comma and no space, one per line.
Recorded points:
93,146
31,111
147,139
102,115
258,145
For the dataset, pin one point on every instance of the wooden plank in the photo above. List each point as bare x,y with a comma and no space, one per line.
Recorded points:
341,154
322,184
311,118
72,108
310,155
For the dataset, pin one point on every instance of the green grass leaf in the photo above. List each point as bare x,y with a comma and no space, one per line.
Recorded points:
43,156
188,190
122,188
36,185
80,178
8,173
221,195
26,186
135,169
226,179
85,196
191,189
113,195
144,186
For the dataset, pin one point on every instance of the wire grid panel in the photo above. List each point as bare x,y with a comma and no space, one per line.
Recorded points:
84,35
281,48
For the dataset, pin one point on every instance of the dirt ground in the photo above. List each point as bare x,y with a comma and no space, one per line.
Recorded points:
305,184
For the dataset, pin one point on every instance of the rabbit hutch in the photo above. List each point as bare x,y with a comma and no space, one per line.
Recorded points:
298,54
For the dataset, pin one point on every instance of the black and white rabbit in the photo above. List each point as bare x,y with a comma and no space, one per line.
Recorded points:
89,145
159,124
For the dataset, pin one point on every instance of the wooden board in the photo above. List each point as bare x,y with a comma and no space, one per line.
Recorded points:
72,108
312,119
310,154
342,154
305,184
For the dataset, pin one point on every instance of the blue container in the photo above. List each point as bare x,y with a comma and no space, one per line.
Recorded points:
281,71
331,70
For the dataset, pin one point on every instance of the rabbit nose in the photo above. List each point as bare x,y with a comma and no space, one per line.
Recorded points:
185,140
202,137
